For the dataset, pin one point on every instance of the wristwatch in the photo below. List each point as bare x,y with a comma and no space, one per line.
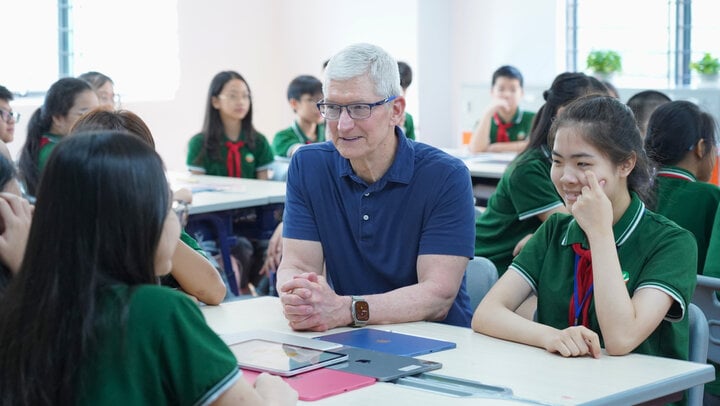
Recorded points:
360,311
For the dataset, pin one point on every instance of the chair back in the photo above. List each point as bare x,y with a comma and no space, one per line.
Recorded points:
480,275
699,338
706,299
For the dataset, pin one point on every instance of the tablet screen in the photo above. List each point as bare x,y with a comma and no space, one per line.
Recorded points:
282,359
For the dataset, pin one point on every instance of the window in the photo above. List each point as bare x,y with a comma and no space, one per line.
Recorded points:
133,41
656,39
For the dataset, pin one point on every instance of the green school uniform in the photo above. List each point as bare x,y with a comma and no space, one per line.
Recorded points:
654,253
712,261
48,142
522,121
163,354
294,135
524,191
251,160
409,128
689,203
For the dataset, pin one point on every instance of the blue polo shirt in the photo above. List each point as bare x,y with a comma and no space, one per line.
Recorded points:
371,235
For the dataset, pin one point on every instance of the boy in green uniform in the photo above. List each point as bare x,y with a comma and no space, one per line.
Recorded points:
408,125
229,144
303,94
504,127
612,275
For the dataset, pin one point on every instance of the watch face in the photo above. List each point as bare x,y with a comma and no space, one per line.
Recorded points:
362,311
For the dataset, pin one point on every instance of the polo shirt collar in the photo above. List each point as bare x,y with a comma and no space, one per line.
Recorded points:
675,172
400,171
622,230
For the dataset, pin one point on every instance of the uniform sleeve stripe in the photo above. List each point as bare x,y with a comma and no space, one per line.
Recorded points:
672,314
525,276
216,391
535,212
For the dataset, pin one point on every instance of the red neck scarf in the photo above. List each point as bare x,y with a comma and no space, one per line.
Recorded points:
502,134
234,163
44,140
582,287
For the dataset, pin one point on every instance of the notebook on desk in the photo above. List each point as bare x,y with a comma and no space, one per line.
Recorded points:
320,383
388,341
381,365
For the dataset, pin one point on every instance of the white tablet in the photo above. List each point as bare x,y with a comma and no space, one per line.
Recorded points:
282,359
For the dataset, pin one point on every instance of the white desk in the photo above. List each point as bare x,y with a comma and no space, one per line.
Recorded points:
219,193
216,197
488,165
530,372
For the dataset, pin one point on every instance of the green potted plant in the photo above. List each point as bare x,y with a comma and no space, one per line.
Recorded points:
604,63
707,67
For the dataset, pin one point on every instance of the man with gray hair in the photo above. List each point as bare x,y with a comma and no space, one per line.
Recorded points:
378,228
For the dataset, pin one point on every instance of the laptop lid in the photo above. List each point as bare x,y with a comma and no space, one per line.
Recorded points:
388,341
381,365
320,383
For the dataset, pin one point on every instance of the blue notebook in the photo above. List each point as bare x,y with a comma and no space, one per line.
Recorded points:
388,342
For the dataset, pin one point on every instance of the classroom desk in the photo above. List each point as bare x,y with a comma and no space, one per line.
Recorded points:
486,169
532,373
215,200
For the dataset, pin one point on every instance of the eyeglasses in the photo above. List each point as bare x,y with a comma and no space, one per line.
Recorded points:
109,98
356,111
234,97
7,115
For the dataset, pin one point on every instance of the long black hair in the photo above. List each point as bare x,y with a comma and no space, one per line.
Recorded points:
565,88
101,207
213,128
609,125
60,98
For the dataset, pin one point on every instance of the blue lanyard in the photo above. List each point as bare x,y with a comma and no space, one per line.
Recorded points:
576,292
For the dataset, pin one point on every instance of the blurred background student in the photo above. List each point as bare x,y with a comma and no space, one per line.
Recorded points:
103,86
65,101
191,270
8,118
406,76
682,140
303,94
643,104
504,127
229,144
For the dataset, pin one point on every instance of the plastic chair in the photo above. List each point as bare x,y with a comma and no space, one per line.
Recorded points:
706,299
699,338
480,275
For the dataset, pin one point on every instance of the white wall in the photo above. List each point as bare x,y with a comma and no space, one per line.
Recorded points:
449,44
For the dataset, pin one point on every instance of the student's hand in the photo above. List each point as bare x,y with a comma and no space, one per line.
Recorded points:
15,219
576,341
274,391
592,209
309,303
519,246
499,105
183,194
274,252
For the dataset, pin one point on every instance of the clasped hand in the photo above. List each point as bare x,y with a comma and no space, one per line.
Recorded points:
309,303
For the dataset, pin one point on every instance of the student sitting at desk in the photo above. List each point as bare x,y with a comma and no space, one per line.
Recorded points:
8,118
504,127
303,93
643,104
389,218
65,101
408,125
84,322
612,274
229,144
525,195
191,270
